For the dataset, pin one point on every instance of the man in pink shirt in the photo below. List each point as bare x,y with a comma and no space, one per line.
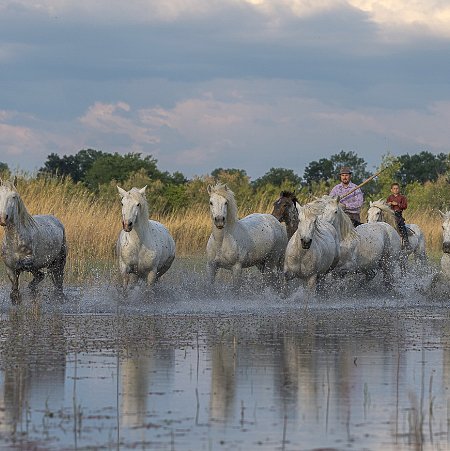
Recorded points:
353,202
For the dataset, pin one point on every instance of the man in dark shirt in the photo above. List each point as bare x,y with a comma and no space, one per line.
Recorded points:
399,203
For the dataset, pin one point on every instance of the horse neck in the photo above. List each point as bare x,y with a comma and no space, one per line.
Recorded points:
22,222
388,218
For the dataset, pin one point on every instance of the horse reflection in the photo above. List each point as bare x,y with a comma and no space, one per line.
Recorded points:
33,355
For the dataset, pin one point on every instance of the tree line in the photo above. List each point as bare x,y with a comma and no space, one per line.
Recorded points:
100,171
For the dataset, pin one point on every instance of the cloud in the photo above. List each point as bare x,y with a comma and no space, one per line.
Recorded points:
431,16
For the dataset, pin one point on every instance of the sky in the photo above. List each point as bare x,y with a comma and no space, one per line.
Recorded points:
202,84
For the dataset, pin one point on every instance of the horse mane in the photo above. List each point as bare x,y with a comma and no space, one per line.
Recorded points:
314,208
347,231
221,189
139,197
24,218
389,215
446,215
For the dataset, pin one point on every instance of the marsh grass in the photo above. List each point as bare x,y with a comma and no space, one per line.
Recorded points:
93,224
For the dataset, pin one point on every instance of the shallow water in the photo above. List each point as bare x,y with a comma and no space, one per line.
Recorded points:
184,368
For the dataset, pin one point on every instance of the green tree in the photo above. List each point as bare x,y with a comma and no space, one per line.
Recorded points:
421,167
74,166
277,177
356,163
318,171
119,167
327,169
4,169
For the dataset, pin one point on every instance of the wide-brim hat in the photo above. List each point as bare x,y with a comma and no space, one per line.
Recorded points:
345,170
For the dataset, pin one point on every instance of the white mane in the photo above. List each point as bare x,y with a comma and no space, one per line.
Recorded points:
347,231
314,208
221,189
388,213
446,215
24,218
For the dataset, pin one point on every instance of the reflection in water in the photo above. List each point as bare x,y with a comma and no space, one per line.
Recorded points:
33,362
298,379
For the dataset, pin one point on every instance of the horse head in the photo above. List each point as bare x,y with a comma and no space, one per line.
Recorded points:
9,198
330,209
222,205
445,231
308,217
374,213
285,207
133,205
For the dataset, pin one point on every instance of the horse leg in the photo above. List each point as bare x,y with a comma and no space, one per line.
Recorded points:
311,283
237,275
211,270
151,277
320,285
56,270
13,276
38,276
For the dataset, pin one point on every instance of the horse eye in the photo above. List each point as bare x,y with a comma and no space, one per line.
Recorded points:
210,203
226,203
138,205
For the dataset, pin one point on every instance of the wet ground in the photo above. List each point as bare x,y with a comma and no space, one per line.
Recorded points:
184,368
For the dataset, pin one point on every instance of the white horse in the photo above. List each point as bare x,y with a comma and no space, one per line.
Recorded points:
379,210
366,248
440,284
31,243
256,240
145,248
313,250
445,261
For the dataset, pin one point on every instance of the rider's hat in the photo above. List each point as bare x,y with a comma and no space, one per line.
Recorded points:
345,170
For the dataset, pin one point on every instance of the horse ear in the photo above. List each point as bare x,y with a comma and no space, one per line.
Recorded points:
209,189
442,214
226,187
14,181
122,192
371,204
338,199
142,190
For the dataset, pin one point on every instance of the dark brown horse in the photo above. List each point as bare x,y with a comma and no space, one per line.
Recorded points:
285,210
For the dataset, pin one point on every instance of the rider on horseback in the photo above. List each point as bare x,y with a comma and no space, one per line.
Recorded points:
399,203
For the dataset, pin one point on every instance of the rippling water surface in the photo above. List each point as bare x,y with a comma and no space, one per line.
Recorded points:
187,368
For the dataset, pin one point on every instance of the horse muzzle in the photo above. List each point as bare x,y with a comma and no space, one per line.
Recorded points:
127,226
446,247
306,244
219,222
3,220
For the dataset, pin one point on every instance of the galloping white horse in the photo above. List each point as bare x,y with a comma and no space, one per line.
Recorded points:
440,284
445,260
379,210
366,248
256,240
31,243
145,248
313,250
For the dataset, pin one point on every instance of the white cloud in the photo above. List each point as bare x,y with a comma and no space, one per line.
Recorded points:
430,15
110,119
